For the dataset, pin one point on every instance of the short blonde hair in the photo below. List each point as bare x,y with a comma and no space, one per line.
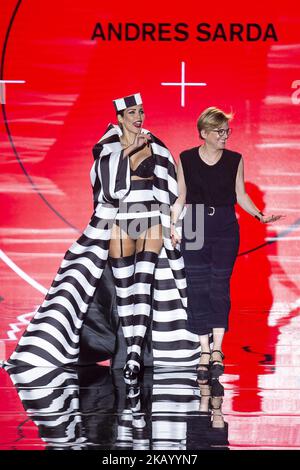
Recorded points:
212,118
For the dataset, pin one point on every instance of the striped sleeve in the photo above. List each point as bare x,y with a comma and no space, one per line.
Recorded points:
113,172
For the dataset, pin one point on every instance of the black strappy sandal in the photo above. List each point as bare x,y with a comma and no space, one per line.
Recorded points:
216,367
203,374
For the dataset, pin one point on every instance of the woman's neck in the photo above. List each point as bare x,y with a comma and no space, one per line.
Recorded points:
211,153
127,138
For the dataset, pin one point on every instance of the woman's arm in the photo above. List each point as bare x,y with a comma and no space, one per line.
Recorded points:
178,206
180,201
243,199
246,202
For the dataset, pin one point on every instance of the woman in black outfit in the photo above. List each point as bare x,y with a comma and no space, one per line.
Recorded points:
211,181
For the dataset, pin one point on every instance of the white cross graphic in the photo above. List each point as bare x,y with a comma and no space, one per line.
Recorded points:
2,88
183,84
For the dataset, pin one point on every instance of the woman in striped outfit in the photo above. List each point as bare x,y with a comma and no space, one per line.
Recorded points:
136,238
134,187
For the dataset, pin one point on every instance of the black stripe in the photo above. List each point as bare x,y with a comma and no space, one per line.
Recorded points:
75,283
99,262
82,269
59,308
56,324
169,325
86,241
51,340
175,345
69,296
166,305
40,353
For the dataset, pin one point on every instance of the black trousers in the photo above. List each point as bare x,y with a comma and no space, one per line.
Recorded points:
209,268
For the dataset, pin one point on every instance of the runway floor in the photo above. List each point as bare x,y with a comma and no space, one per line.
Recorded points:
255,406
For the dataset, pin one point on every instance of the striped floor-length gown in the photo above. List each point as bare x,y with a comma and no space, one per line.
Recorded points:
52,337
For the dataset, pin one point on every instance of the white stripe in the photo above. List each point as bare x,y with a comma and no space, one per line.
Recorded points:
65,303
141,309
170,315
80,250
31,358
27,376
168,407
56,421
142,288
173,187
125,310
56,405
120,104
184,354
161,151
169,430
84,261
136,215
127,331
136,348
124,292
76,274
50,329
163,274
60,317
121,273
75,294
45,345
174,335
139,196
106,212
38,372
166,294
97,233
161,195
144,267
12,81
21,273
139,330
93,173
166,362
161,172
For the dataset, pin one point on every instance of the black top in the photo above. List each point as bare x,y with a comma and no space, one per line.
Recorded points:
212,185
145,169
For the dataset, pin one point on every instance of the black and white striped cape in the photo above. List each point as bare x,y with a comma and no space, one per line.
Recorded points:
52,337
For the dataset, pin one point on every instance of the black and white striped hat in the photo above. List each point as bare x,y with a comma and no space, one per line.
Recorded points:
127,101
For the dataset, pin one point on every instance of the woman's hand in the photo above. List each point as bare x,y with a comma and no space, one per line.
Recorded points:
139,141
175,237
266,219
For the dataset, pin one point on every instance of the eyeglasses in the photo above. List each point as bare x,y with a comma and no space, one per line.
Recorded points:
222,132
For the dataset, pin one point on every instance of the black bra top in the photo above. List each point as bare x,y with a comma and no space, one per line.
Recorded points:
145,169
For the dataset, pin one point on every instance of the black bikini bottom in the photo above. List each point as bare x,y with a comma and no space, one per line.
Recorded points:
141,205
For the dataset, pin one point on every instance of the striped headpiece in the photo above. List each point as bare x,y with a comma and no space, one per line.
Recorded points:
127,101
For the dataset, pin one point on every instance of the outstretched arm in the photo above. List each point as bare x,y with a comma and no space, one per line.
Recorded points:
245,202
